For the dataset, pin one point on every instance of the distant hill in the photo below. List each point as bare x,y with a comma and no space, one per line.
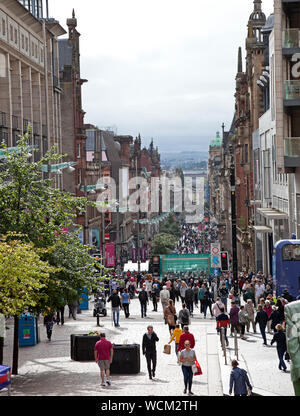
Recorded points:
185,159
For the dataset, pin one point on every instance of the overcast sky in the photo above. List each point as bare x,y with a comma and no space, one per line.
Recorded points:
164,68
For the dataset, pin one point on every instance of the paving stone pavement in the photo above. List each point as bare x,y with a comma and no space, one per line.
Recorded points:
47,369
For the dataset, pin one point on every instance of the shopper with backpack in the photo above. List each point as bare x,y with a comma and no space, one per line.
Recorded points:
184,316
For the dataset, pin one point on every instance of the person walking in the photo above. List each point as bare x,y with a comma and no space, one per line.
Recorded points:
262,319
274,318
149,350
189,299
269,310
143,298
234,318
280,339
243,319
239,381
73,309
207,302
115,300
164,297
250,311
49,320
186,336
184,316
125,302
196,291
223,294
154,296
223,321
201,296
169,315
103,353
182,290
187,358
176,336
216,308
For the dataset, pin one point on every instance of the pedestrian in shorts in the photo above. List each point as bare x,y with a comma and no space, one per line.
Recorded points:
104,353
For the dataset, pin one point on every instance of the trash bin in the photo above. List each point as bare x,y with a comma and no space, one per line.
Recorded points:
126,359
5,377
27,330
84,300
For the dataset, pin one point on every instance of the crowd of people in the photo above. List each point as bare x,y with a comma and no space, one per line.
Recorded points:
196,239
251,308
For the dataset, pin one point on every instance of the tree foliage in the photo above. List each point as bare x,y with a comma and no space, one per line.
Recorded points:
170,226
23,276
163,244
30,204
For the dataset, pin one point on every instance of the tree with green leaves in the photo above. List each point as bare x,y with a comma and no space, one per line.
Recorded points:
33,207
30,204
163,244
170,226
23,276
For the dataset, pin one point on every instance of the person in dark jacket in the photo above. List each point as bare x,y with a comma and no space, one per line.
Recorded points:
115,300
207,302
49,320
154,296
262,319
143,298
274,318
149,350
189,299
286,295
280,308
239,380
280,339
234,318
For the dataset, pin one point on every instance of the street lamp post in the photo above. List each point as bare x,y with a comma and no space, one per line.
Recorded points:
233,222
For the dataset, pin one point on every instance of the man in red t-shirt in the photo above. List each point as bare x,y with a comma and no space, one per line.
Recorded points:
186,336
104,352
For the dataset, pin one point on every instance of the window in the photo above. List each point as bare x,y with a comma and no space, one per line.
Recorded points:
78,151
26,44
23,42
291,252
11,33
16,36
3,28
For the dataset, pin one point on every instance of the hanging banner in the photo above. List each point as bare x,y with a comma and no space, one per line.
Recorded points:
215,256
110,255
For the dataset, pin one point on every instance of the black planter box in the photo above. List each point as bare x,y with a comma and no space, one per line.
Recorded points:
82,347
126,359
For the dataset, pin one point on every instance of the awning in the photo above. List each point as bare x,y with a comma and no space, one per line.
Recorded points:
272,214
262,229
